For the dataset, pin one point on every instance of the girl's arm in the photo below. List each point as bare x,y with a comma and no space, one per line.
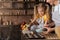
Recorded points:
32,21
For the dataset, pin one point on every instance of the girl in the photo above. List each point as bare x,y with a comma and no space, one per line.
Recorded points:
41,17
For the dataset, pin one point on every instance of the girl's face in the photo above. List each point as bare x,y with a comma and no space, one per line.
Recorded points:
40,11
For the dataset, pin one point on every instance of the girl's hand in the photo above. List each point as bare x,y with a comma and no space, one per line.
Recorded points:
35,23
29,28
31,20
46,25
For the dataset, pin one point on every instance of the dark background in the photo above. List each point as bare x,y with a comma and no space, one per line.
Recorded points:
12,13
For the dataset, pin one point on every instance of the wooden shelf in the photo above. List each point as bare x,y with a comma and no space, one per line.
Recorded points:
17,1
16,15
15,8
11,1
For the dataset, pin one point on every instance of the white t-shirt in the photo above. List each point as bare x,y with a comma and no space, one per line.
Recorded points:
56,15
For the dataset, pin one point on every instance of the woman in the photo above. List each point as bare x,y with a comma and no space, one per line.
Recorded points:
55,16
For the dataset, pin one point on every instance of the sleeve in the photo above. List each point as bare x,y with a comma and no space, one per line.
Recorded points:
45,18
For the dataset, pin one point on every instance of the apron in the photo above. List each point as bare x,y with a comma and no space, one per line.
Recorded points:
38,28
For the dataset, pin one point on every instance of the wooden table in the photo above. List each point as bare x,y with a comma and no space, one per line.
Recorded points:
36,36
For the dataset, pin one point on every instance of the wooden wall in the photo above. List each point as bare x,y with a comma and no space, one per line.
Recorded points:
16,11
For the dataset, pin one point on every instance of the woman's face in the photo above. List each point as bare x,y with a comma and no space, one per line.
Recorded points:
50,1
40,11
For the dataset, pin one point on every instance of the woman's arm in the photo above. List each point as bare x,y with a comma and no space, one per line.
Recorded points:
49,24
49,30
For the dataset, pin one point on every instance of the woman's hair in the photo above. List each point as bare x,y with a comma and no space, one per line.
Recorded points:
49,12
45,6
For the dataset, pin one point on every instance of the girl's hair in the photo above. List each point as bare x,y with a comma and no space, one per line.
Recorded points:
45,6
40,5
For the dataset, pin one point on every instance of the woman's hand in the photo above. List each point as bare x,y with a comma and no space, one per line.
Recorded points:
48,30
